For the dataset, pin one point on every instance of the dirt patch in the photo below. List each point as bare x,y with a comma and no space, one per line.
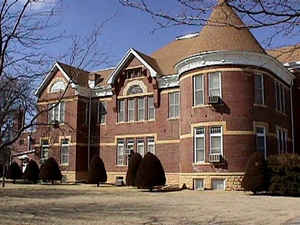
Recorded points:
87,204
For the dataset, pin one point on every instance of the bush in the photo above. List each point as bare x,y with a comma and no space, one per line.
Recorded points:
150,172
50,170
255,178
97,172
133,166
32,172
285,174
14,172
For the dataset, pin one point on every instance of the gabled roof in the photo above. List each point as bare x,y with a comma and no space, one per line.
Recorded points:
77,76
104,75
147,61
224,31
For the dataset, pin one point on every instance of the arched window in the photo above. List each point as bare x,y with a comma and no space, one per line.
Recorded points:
134,89
58,86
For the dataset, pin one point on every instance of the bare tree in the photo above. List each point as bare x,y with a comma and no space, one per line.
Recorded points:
25,32
281,16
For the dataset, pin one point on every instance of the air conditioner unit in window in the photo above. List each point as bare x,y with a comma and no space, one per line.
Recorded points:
215,158
213,100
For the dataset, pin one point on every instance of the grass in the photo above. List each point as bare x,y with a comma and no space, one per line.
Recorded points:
87,204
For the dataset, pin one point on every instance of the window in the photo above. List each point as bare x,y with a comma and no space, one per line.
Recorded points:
259,89
261,140
121,156
131,109
58,86
134,89
64,151
199,145
133,73
218,184
121,111
282,140
198,90
214,84
216,141
280,97
141,108
151,145
198,184
57,113
141,146
151,109
44,151
102,111
174,104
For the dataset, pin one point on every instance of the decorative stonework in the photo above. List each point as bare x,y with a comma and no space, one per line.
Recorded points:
135,83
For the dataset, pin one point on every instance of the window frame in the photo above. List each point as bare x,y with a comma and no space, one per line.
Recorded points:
121,110
261,90
43,147
195,143
141,115
216,135
150,107
62,155
151,143
195,91
120,157
102,115
132,109
59,109
220,82
174,105
140,142
261,135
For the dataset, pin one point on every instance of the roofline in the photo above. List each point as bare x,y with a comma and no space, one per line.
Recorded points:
49,76
124,60
99,71
215,58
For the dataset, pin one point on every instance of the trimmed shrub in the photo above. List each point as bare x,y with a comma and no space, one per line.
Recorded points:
133,165
150,173
32,172
97,172
50,170
285,174
255,178
14,172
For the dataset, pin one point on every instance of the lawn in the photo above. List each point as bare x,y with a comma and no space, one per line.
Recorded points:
86,204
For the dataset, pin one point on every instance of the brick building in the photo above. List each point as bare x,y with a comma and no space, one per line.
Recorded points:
203,104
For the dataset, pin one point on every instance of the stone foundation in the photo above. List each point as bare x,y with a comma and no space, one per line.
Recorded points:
232,180
68,176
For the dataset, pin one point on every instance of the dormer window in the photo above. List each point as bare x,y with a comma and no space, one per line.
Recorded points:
133,73
58,86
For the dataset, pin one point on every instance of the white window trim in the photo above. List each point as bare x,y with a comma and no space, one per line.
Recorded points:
100,112
121,145
202,88
64,145
141,142
174,105
151,144
141,108
59,113
148,108
42,150
121,110
131,109
195,153
265,138
262,88
282,136
216,135
220,82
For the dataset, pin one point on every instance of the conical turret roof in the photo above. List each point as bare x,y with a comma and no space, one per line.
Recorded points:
224,31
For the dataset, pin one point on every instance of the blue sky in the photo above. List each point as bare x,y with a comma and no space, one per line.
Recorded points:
128,28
